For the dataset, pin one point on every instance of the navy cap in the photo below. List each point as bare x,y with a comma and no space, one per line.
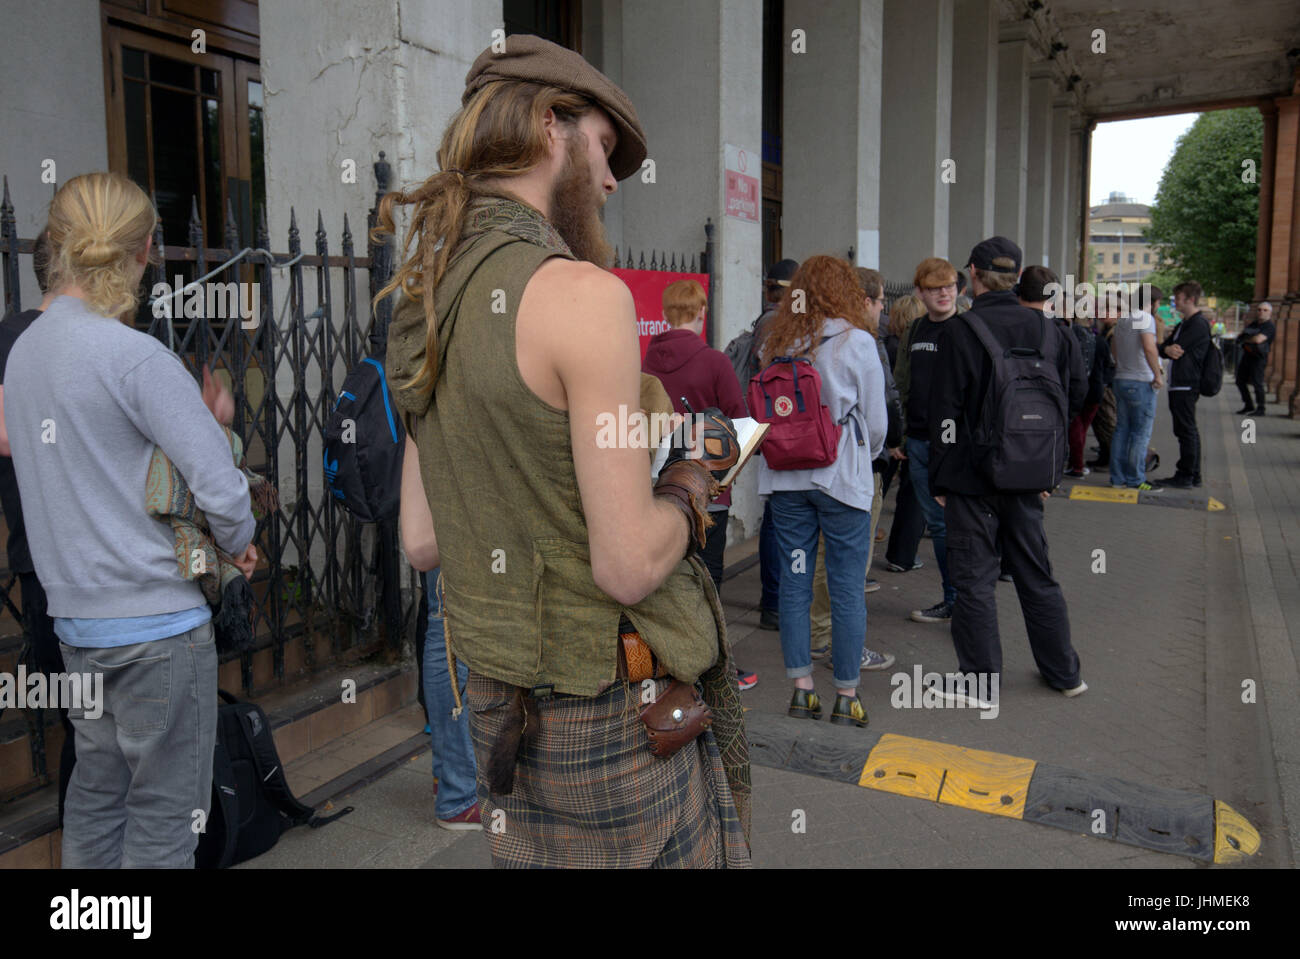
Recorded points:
782,272
996,248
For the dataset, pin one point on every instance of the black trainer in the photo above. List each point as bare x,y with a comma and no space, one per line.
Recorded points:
769,619
938,613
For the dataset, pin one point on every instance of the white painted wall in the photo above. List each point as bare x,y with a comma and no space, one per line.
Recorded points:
52,75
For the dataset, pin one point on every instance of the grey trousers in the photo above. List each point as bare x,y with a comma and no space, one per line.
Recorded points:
142,787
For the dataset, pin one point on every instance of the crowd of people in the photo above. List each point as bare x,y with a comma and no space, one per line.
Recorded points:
583,690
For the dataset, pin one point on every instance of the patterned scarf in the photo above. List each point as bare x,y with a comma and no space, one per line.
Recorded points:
513,217
168,497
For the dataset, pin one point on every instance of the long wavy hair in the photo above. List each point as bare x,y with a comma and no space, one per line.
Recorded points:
822,288
497,135
99,224
905,311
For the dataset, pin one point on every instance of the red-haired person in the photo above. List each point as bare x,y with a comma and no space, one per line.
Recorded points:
823,317
689,368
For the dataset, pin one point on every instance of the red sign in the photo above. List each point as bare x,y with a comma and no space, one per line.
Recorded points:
742,185
647,288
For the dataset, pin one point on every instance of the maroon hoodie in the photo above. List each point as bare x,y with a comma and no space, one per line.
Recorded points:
688,367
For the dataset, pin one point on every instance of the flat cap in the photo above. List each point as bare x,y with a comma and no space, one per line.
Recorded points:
535,60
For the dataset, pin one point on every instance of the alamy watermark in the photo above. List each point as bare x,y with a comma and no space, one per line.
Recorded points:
25,690
918,690
1086,301
216,301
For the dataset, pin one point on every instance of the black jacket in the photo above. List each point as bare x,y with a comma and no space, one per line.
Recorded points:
964,375
1252,330
1193,335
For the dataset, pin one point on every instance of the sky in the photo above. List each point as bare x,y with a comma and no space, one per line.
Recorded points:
1130,155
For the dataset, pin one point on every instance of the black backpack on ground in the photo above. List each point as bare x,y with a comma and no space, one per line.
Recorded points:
1021,437
251,800
1212,371
364,442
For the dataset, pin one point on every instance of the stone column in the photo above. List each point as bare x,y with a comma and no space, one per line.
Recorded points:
1062,195
1013,132
974,124
831,159
917,126
1038,194
1280,376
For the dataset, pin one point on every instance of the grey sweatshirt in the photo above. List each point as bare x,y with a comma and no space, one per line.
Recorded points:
853,390
86,400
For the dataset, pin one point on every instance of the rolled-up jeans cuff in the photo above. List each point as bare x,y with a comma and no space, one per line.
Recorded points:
798,672
850,684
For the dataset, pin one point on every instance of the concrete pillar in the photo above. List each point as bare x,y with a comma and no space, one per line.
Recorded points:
694,72
1062,196
1078,187
1013,132
831,169
917,126
974,123
1038,193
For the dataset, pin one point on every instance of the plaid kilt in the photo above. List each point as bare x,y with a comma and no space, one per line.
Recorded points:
589,794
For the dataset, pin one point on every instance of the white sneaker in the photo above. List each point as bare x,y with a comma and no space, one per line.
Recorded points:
1077,690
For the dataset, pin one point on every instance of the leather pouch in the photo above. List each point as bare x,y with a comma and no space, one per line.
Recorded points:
675,718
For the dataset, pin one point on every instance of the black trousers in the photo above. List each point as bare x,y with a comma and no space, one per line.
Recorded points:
1250,373
977,527
715,542
1182,406
909,522
42,655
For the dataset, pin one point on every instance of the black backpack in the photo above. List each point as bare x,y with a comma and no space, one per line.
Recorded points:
1021,437
364,441
1212,371
251,800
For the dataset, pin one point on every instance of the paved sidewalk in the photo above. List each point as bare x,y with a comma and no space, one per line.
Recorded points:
1192,604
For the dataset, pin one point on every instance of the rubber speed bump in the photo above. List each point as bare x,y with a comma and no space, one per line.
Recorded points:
1109,494
971,778
1163,820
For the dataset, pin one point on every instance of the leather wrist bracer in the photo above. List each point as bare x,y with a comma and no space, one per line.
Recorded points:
690,487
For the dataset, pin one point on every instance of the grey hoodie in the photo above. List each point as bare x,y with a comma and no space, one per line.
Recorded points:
86,400
853,390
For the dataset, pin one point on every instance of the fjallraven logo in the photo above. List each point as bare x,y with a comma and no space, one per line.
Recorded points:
783,406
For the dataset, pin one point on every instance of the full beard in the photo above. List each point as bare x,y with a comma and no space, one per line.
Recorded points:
575,208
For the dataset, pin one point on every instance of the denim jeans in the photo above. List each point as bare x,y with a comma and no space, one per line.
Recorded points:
798,517
453,752
1135,415
769,560
918,456
144,766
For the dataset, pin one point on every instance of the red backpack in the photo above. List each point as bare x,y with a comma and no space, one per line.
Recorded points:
787,393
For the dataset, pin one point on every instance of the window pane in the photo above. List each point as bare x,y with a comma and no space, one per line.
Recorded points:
212,172
174,72
254,94
137,134
175,161
255,155
132,63
210,80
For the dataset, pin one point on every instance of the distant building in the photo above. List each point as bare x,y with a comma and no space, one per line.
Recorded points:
1115,242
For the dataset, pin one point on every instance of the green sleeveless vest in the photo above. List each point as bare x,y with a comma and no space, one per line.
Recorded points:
497,467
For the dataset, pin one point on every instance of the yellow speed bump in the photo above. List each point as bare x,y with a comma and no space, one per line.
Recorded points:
955,775
1234,837
1102,494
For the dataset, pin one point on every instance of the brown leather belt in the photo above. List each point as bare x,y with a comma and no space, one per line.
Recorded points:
636,661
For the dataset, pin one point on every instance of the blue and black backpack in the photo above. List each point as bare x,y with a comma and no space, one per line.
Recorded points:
364,440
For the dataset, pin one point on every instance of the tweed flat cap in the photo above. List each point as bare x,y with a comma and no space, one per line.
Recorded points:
533,59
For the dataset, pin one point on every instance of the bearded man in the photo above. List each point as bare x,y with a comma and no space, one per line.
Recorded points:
572,589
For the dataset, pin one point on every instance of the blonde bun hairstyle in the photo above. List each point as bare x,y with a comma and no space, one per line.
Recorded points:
99,225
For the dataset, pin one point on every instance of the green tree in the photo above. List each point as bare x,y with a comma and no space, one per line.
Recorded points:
1206,213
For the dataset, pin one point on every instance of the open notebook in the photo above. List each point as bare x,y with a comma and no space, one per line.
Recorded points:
749,431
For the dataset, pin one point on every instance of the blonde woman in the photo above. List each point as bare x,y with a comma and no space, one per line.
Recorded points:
87,399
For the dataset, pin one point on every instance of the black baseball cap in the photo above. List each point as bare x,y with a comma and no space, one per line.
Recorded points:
782,272
996,248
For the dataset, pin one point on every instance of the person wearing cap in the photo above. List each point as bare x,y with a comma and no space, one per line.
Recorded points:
776,283
572,589
980,517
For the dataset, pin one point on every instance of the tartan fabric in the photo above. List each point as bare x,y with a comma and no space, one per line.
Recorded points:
1103,424
588,794
168,497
